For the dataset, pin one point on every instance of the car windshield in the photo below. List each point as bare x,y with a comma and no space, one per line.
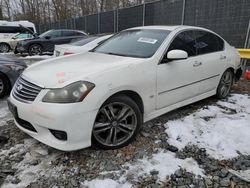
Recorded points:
141,43
84,41
47,33
22,36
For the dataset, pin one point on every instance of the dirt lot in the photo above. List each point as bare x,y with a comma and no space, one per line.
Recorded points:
205,144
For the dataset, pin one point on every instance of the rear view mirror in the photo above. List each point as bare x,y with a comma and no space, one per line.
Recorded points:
177,55
48,37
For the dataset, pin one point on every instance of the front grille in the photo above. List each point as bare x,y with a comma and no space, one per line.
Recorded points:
25,91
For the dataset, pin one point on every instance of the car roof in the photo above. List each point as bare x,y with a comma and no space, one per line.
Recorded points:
167,27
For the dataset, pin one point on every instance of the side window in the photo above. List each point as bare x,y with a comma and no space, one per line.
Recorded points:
55,34
208,42
184,41
68,33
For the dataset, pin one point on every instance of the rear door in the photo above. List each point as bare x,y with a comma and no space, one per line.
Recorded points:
210,48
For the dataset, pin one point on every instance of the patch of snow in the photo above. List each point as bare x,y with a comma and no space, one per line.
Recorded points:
165,163
37,57
5,114
216,129
106,183
27,172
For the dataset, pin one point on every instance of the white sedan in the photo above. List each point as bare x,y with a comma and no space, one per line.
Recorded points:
102,97
80,46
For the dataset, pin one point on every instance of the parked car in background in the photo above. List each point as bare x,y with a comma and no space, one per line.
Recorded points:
103,96
9,29
80,46
47,41
10,70
7,44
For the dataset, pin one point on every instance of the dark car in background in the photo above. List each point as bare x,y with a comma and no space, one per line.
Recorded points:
10,70
47,41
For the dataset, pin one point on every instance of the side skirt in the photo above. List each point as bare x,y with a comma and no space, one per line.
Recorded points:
162,111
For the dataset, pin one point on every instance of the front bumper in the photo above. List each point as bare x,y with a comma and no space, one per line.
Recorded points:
72,119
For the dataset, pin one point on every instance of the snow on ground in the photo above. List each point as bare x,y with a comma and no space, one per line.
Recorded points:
26,171
5,114
223,130
39,57
165,163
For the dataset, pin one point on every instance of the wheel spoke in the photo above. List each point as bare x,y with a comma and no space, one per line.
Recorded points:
108,140
106,113
103,129
115,136
127,114
127,126
101,125
120,128
111,110
122,112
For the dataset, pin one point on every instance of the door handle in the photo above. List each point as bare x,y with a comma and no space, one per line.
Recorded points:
223,57
197,63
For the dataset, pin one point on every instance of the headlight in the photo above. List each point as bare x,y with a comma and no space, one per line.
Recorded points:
15,67
72,93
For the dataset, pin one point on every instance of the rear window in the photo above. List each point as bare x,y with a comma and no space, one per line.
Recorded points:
207,42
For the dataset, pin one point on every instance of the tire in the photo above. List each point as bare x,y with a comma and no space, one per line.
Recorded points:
4,48
225,84
117,123
4,86
35,49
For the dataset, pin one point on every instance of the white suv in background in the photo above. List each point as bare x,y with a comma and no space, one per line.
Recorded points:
102,97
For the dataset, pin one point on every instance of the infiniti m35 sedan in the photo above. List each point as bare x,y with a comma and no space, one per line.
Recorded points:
102,97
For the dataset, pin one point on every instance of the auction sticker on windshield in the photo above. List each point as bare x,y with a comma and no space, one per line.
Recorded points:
147,40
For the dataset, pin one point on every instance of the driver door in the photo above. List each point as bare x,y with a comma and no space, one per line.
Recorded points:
178,80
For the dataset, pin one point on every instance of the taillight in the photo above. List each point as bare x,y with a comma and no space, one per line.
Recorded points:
67,53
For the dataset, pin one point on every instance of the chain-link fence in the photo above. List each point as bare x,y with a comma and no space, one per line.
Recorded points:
229,18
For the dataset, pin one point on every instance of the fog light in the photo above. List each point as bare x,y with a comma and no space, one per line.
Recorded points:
60,135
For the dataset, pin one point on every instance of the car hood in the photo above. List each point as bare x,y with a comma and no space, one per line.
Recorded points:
59,72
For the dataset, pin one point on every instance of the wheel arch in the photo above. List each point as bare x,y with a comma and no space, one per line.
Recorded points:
132,95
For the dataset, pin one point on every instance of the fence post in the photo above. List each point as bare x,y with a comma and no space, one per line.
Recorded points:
98,22
183,12
114,21
246,45
247,41
143,15
117,20
85,17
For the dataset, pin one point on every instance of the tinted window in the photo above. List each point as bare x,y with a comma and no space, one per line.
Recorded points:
13,29
141,43
51,33
207,42
68,33
184,41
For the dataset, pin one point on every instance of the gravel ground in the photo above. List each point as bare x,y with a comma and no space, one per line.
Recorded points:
24,162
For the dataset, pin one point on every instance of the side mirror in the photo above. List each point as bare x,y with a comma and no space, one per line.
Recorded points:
177,55
48,37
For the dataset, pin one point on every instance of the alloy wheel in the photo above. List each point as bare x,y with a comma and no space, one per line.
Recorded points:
115,124
226,83
4,48
35,49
